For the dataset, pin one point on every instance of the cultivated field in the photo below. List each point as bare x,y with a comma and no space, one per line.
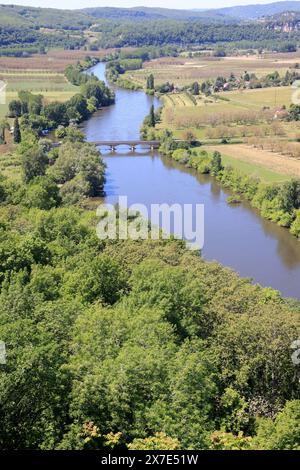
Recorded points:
183,111
52,85
184,70
268,166
54,61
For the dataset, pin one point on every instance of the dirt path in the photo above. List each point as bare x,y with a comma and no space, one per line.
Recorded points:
272,161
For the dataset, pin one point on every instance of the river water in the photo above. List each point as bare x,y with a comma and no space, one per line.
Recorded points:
235,235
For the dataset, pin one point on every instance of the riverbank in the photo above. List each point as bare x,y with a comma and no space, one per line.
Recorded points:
278,202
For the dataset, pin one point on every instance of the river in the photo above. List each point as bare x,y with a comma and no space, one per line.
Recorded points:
235,235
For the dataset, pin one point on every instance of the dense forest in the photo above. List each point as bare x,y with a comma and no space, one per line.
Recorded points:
17,41
161,32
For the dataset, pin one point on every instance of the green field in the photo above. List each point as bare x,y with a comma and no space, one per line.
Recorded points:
252,169
53,86
183,112
260,97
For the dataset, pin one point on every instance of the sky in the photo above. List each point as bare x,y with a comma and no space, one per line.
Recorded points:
186,4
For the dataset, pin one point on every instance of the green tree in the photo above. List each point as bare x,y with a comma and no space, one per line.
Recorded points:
150,82
284,432
56,112
15,108
34,163
152,119
4,125
289,195
216,163
195,88
17,132
160,441
42,193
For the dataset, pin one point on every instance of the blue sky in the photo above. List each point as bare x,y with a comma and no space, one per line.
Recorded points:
132,3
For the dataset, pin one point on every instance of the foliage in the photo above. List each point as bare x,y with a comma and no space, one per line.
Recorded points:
158,442
283,433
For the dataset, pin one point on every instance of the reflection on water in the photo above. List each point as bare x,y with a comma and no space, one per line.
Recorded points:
235,235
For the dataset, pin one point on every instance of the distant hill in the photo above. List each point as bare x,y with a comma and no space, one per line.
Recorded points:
22,16
251,12
148,13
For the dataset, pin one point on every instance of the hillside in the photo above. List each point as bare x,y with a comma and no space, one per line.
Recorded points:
287,22
146,13
19,16
248,12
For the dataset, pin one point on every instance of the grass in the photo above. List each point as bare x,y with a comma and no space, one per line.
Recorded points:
250,99
255,170
241,154
10,165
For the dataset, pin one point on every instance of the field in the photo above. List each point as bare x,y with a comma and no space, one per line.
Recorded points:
266,165
183,111
52,85
56,60
183,71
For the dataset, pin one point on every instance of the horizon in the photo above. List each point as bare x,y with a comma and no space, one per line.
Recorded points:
168,4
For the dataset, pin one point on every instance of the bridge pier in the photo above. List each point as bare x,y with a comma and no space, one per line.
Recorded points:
133,148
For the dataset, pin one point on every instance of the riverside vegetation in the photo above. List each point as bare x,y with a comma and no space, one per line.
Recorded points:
279,202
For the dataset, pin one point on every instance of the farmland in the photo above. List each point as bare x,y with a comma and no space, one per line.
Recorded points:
42,74
183,70
183,111
56,60
267,166
53,86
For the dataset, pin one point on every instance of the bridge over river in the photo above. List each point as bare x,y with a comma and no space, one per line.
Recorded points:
132,144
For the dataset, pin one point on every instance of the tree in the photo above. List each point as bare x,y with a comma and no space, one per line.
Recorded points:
42,193
56,112
160,441
77,108
15,108
216,164
4,125
289,195
79,158
283,433
34,163
152,120
150,82
17,132
195,88
190,137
